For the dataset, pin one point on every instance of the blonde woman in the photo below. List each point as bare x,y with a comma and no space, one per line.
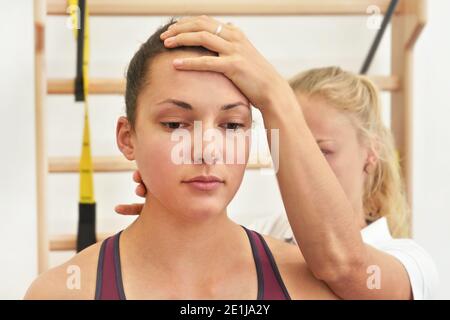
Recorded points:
343,111
338,173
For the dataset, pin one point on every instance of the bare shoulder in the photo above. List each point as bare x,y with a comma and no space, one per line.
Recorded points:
74,279
298,279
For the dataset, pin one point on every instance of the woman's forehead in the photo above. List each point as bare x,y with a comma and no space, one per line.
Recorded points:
324,120
165,81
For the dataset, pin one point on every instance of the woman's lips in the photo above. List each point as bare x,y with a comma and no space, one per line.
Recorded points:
205,186
205,183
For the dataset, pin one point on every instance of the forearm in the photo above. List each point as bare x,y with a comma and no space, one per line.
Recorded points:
322,219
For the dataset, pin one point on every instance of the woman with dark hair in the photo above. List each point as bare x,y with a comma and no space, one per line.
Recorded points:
183,245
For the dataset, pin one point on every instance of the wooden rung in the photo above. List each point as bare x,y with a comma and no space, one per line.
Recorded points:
386,83
114,164
69,242
96,86
222,7
117,86
100,164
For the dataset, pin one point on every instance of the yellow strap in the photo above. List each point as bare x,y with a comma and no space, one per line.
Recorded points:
86,167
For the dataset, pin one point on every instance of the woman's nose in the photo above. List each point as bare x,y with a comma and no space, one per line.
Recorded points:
207,143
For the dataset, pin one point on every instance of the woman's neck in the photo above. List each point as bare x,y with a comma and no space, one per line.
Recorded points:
177,243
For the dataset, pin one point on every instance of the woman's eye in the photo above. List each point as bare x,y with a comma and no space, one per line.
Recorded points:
172,125
326,152
233,126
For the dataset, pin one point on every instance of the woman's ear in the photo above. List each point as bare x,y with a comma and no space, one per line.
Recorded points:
123,137
369,167
371,160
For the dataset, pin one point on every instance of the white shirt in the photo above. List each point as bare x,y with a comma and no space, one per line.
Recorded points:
419,265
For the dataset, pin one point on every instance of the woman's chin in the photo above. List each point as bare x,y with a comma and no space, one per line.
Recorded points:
202,211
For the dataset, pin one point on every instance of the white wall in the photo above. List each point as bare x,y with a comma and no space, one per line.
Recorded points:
17,155
292,44
432,140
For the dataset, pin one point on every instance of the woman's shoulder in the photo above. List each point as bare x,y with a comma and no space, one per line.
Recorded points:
298,279
74,279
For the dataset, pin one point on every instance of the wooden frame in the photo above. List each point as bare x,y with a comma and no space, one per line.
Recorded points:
117,86
116,164
223,7
406,29
41,141
408,21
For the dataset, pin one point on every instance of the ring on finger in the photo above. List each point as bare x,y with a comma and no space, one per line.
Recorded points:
218,29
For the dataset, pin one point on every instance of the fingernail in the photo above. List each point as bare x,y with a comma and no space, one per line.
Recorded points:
163,34
177,62
168,41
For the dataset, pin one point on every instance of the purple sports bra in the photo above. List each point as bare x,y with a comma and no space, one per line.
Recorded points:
109,284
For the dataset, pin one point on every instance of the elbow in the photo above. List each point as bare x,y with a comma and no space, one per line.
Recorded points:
341,270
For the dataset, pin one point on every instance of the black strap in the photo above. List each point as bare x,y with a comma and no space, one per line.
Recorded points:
86,220
79,79
86,226
379,36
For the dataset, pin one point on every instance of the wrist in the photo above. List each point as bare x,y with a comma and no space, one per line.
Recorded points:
281,103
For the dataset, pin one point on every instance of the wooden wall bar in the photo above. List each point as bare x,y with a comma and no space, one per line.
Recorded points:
117,86
222,7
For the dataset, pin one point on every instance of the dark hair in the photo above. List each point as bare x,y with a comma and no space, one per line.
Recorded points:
138,70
